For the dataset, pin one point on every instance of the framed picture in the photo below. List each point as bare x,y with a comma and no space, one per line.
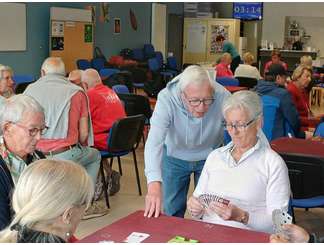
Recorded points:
117,26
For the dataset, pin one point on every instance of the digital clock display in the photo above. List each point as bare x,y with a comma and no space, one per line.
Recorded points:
247,11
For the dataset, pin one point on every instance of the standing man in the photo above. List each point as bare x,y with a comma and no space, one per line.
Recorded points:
185,127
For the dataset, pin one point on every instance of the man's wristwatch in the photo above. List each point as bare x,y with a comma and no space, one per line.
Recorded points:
244,218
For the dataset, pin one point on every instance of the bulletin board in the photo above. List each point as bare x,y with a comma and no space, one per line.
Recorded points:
71,38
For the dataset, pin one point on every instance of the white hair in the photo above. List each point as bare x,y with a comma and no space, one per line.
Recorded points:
244,100
196,75
53,65
13,108
46,189
91,77
4,68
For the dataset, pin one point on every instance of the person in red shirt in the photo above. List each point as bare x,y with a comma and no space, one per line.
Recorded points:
105,107
275,59
223,68
301,78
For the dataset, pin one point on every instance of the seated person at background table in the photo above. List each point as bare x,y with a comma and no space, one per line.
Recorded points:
223,68
247,172
105,107
274,85
6,82
75,77
49,201
275,59
228,47
301,78
246,69
296,234
186,126
22,122
306,60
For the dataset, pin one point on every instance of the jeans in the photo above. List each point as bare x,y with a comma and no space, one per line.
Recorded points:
176,180
86,156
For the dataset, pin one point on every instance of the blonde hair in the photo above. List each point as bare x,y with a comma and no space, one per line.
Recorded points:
248,58
306,60
227,57
298,72
45,189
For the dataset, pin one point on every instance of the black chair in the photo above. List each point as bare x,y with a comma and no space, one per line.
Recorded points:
124,137
248,82
306,175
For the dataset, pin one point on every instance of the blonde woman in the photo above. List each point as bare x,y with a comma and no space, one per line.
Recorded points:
223,68
246,69
306,60
49,201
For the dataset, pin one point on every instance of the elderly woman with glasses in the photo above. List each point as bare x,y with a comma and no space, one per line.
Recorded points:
22,123
244,181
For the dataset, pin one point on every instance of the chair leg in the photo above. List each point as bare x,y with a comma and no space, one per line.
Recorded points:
104,183
137,175
111,162
119,166
293,215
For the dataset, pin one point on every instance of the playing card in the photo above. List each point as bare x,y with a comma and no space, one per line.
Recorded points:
136,237
279,218
206,199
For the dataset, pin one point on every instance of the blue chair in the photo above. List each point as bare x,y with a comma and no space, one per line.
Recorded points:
319,131
172,65
149,51
107,72
159,57
98,63
18,79
227,81
155,67
120,89
270,107
124,137
83,64
138,54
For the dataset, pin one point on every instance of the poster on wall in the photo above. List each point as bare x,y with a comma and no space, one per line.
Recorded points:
117,26
57,28
196,33
217,30
88,33
57,43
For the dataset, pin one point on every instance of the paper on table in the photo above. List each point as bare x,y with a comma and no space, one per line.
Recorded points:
136,237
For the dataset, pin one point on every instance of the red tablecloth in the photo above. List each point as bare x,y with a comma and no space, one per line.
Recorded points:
164,228
298,147
234,89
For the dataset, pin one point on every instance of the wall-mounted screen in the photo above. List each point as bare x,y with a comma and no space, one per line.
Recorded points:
247,11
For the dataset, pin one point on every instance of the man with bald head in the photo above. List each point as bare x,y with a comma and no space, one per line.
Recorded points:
105,107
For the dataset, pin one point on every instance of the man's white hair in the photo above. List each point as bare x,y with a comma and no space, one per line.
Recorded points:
91,77
53,65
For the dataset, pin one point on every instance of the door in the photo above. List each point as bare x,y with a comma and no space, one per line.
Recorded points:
175,39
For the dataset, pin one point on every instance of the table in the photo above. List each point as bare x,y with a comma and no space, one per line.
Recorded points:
234,89
298,147
164,228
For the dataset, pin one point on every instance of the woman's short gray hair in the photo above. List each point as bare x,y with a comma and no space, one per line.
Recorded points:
5,68
244,100
14,108
195,74
53,65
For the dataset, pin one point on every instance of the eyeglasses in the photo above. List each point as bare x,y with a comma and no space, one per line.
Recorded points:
197,102
33,131
239,127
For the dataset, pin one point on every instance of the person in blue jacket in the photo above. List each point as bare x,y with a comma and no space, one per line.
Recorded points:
186,126
274,85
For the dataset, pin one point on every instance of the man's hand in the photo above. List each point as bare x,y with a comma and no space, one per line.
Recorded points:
153,200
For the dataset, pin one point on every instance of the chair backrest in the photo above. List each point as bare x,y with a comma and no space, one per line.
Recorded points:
159,57
172,63
98,63
136,104
138,54
319,131
107,72
249,82
18,79
120,89
83,64
125,133
270,107
227,81
153,64
306,175
149,51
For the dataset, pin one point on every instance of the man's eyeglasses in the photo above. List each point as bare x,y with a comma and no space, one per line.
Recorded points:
239,127
33,131
197,102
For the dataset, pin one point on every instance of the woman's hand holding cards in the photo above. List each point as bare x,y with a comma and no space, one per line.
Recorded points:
195,208
229,212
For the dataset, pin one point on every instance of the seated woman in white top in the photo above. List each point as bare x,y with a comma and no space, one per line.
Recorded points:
247,172
246,69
